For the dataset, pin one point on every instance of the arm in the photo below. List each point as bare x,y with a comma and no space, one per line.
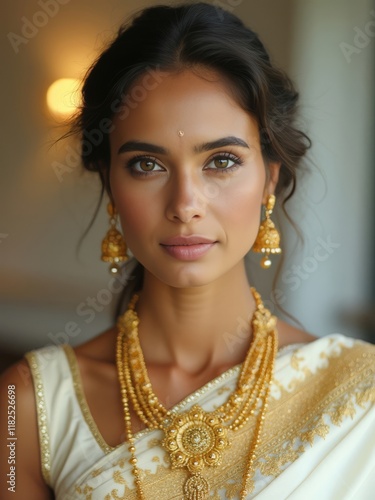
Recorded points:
22,458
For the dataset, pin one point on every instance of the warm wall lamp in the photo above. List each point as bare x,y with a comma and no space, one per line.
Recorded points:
63,97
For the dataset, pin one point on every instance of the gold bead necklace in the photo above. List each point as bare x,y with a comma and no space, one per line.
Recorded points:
196,438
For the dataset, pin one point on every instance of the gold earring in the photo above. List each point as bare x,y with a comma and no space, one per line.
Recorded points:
268,238
113,245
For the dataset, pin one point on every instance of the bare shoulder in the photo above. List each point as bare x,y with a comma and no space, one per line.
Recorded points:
96,360
16,388
289,334
18,377
18,381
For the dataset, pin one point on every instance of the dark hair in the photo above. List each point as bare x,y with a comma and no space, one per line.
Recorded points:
188,36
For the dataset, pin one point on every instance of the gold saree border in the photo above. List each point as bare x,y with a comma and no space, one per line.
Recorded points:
82,401
305,412
312,408
41,411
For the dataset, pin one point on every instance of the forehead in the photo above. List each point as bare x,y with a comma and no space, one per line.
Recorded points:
199,102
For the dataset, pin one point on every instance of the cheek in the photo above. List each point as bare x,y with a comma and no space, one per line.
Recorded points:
133,214
134,206
241,204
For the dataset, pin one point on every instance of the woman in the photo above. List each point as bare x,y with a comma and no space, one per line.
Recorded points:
179,399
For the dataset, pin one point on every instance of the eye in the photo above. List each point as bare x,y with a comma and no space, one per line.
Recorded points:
143,165
147,165
224,162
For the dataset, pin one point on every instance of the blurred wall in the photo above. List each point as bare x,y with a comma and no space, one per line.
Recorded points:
329,282
44,284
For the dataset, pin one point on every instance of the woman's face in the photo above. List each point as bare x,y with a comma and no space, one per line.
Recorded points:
188,179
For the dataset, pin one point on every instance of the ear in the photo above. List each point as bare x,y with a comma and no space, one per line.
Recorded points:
273,171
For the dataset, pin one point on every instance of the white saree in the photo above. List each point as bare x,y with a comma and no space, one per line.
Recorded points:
318,439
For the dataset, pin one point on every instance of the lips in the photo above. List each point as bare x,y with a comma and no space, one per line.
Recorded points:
186,240
187,247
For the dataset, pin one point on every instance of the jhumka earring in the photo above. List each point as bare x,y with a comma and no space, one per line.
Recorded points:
268,238
113,245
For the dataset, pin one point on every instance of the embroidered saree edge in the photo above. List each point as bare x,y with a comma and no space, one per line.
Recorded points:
42,417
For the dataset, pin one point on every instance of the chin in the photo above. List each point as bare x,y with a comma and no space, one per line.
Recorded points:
187,280
189,276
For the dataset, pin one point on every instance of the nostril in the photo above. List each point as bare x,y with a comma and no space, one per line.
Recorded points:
186,216
184,206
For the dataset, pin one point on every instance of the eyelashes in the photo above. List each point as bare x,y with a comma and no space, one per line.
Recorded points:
149,162
224,157
146,165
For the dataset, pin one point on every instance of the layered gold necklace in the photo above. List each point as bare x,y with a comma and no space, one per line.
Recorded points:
196,439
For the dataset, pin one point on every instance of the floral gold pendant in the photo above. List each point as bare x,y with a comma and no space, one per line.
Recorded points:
195,439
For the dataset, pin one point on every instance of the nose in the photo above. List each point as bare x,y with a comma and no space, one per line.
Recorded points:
186,199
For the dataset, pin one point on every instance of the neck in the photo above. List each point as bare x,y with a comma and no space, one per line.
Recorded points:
196,329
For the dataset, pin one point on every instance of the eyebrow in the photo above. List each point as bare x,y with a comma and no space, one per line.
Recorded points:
219,143
207,146
142,146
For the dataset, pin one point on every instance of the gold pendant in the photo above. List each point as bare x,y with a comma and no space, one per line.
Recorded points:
196,488
195,439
